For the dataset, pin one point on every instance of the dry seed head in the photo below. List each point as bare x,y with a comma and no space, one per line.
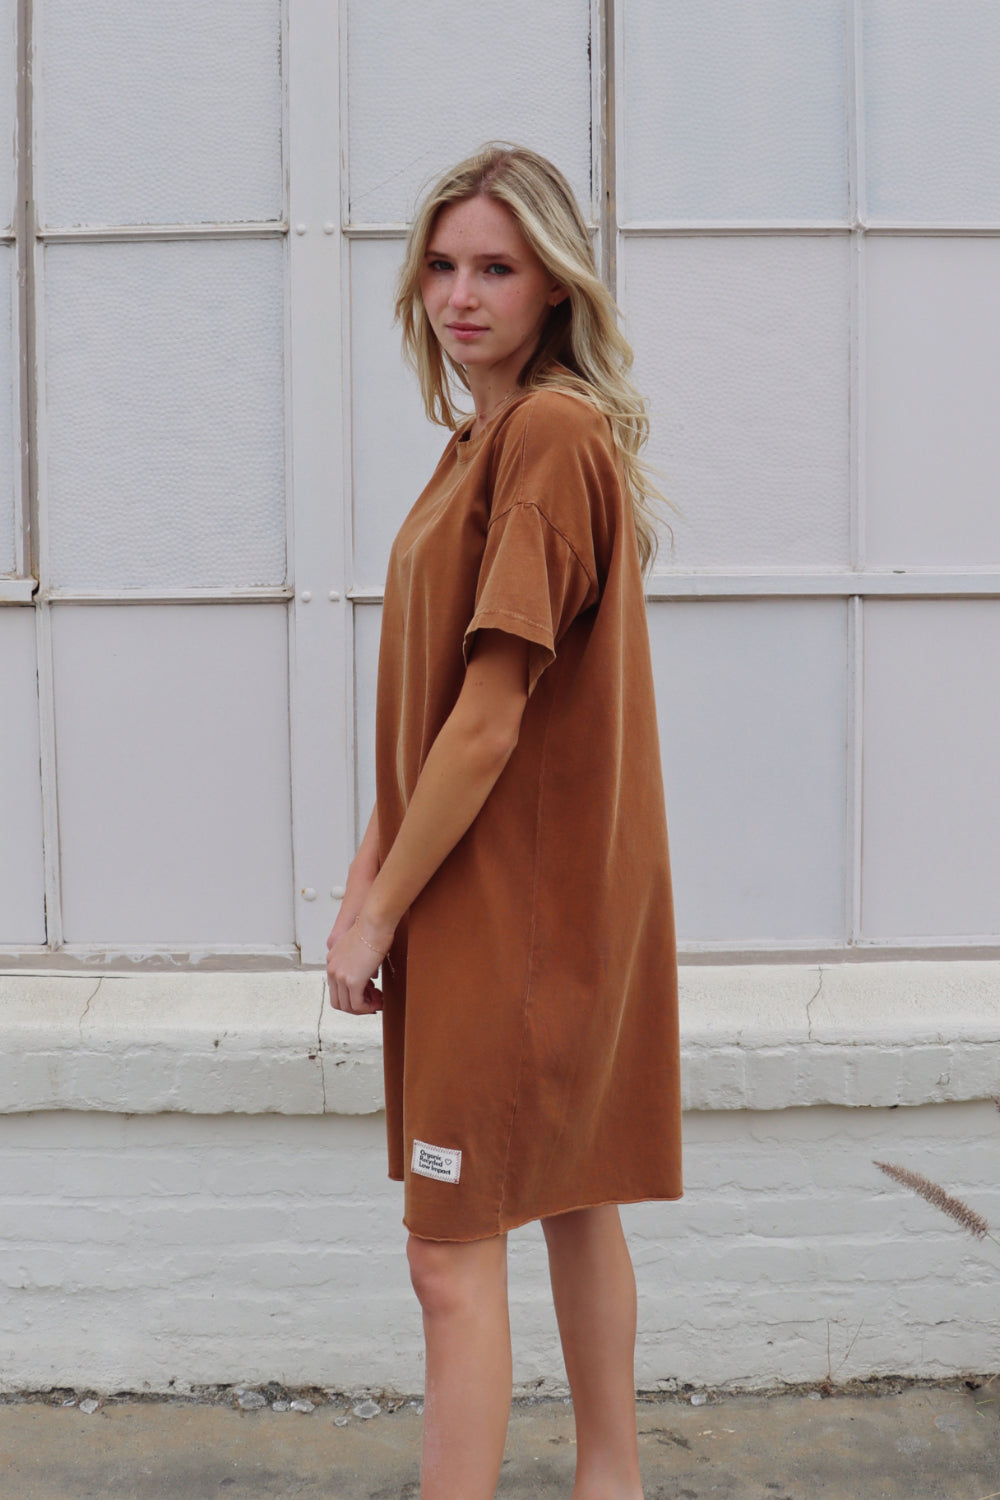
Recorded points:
953,1207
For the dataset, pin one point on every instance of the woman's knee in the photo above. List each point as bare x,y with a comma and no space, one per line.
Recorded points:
429,1272
451,1276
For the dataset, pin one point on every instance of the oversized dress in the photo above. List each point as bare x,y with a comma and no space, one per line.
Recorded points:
530,1011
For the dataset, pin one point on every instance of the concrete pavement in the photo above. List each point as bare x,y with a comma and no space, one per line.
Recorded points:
915,1442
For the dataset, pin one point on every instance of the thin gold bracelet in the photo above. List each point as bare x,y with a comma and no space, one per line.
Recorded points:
370,946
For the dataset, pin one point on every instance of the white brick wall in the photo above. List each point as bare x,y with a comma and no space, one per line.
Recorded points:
217,1237
141,1252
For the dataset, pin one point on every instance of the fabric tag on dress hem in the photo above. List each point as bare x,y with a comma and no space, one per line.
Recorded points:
439,1162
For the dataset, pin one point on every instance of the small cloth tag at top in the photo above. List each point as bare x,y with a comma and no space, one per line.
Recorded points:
436,1161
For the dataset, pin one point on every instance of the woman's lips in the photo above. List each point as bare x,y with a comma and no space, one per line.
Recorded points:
465,331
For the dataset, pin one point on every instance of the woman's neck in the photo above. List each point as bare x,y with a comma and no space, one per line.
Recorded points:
488,406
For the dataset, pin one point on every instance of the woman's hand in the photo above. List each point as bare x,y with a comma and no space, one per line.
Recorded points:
353,960
350,967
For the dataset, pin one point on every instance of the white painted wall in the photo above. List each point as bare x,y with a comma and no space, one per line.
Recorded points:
193,1189
805,230
162,1251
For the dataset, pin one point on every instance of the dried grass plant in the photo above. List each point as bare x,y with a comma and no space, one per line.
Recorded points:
965,1217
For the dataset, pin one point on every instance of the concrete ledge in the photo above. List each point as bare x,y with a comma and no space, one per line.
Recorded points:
236,1043
859,1034
757,1037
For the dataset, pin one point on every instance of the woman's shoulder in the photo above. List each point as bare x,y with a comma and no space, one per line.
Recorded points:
557,416
556,453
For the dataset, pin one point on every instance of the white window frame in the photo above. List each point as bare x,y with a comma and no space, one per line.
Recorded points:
857,583
319,590
315,589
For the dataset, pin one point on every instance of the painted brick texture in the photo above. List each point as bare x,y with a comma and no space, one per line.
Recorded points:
165,1250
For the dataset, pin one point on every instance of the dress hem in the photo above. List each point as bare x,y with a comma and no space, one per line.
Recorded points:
517,1223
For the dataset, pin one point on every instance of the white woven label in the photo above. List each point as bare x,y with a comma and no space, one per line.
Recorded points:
436,1161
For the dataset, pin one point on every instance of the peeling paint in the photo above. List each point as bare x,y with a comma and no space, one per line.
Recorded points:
319,1044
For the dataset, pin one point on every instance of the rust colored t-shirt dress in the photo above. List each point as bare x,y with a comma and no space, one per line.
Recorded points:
530,1013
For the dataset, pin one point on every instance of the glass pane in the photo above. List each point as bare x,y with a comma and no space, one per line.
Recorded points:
165,413
159,114
9,418
427,88
734,110
932,397
172,741
8,109
367,626
752,707
22,881
931,810
932,119
742,353
388,475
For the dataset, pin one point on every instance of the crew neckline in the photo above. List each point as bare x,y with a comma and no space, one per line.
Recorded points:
465,442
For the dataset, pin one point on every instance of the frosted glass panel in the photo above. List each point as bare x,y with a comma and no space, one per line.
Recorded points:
752,707
734,110
22,883
367,625
172,743
164,384
931,809
159,113
428,87
395,447
8,109
9,420
932,110
932,401
742,352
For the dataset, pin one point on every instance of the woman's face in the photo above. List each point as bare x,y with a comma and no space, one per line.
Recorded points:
485,291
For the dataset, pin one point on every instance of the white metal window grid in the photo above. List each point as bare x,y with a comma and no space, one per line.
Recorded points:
858,583
314,593
855,584
323,732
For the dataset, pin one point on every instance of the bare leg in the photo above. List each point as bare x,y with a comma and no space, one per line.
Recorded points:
462,1289
593,1286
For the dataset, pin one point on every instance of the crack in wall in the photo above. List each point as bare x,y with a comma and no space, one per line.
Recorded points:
319,1043
90,997
811,1001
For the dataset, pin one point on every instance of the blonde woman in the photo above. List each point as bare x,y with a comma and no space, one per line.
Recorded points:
514,875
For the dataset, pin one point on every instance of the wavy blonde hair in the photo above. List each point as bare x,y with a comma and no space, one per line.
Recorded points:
581,348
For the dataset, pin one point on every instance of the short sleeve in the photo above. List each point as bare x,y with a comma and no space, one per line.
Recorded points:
553,478
531,584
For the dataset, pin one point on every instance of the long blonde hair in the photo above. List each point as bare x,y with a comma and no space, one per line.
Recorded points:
581,348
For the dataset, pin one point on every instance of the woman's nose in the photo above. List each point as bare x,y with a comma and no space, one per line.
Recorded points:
462,290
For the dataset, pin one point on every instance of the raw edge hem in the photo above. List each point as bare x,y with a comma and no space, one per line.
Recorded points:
465,1239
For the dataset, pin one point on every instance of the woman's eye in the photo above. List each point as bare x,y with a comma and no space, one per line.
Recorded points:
499,268
439,265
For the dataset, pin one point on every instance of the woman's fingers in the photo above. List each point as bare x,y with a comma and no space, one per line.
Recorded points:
351,968
373,996
370,1001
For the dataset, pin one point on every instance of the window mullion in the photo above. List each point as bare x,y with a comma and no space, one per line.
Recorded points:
322,802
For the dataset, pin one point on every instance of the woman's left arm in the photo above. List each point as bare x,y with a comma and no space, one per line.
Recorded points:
462,767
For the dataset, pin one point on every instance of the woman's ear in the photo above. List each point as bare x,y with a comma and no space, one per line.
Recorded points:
558,294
